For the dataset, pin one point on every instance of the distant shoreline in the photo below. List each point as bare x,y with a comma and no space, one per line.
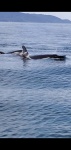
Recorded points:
30,18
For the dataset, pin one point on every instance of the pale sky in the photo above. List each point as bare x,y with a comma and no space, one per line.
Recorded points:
62,15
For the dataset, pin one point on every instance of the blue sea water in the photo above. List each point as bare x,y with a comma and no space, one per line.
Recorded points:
35,95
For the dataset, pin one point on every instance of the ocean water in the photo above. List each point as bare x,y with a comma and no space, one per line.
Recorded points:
35,95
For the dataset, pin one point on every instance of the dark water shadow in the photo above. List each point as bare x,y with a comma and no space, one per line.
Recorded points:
25,61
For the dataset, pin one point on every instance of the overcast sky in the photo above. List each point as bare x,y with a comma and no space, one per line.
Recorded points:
62,15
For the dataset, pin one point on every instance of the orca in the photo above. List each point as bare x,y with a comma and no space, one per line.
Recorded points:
25,55
2,52
53,56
